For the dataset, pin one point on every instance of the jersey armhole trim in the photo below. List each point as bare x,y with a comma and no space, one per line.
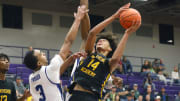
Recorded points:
48,77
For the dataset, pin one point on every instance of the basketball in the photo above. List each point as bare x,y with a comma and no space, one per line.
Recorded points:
127,17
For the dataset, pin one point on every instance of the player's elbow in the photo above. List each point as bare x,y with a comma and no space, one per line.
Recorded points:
115,60
68,41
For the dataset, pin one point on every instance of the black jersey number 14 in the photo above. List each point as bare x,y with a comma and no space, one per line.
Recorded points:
93,64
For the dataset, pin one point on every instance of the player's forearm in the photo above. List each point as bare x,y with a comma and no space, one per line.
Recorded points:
84,2
85,27
119,51
73,31
98,28
66,64
64,51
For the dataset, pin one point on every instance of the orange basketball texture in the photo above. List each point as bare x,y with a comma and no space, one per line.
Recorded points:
127,17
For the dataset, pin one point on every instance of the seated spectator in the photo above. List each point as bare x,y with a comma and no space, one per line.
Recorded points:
145,67
156,65
136,92
130,96
148,96
121,93
148,81
119,69
161,65
158,98
178,97
162,77
140,98
126,65
19,87
163,95
175,75
111,96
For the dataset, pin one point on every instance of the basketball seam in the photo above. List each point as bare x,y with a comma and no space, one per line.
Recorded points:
127,16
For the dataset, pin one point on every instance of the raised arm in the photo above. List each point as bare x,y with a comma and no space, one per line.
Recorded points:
70,60
85,25
121,46
70,37
98,28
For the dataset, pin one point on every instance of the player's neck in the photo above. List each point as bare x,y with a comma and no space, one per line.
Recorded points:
105,53
2,75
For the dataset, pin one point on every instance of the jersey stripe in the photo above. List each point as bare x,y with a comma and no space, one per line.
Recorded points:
58,85
104,83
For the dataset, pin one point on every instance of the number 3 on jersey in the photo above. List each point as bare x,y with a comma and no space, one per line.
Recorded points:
93,65
41,92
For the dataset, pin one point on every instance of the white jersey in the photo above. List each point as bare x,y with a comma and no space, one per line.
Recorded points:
45,83
71,80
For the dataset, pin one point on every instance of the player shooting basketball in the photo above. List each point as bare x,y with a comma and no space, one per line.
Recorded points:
94,71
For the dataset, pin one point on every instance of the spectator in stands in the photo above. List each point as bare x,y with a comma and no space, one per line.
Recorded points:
135,88
130,96
126,65
7,88
161,65
148,81
121,93
111,96
163,95
162,77
140,98
155,65
145,67
148,96
19,87
158,98
30,48
178,97
175,75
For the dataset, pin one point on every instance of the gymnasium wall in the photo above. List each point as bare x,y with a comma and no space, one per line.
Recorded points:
51,37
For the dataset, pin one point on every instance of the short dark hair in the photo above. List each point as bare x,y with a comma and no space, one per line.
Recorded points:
2,55
111,42
30,60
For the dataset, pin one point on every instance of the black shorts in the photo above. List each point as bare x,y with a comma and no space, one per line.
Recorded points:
83,96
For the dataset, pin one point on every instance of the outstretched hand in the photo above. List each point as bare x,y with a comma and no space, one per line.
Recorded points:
133,28
81,11
79,54
123,8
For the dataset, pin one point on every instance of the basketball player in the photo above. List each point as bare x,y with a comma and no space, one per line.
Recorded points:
94,71
7,88
45,81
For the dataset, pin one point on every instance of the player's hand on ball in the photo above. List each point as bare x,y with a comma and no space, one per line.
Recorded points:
123,8
133,28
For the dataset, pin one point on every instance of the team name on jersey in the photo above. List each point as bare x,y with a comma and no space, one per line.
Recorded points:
100,58
37,77
6,91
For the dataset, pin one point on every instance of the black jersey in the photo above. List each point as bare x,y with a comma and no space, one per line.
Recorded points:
93,73
7,91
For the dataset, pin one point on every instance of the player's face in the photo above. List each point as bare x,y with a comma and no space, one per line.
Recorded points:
4,64
41,57
103,44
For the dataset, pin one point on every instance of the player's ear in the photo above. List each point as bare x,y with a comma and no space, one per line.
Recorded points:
39,63
109,49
